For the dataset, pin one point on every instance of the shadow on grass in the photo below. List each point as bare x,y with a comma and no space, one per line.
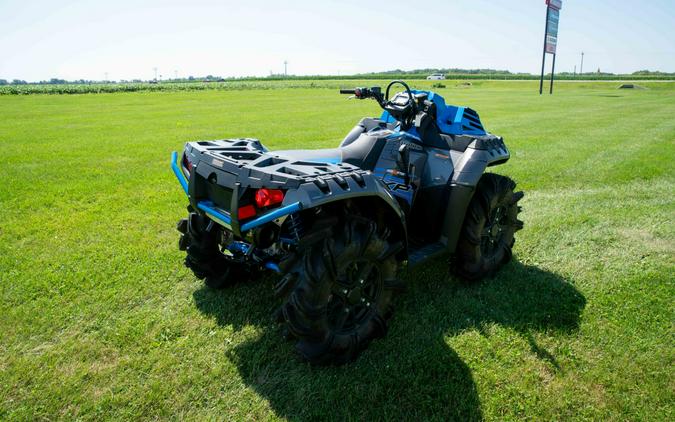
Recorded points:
412,373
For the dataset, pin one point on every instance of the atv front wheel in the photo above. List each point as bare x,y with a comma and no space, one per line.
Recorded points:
200,238
487,236
339,290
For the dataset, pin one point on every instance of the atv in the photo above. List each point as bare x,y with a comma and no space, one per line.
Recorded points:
338,224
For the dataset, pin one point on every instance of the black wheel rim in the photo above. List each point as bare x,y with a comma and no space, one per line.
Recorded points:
493,231
354,296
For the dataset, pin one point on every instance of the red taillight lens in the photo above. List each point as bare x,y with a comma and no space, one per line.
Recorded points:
268,197
187,163
247,211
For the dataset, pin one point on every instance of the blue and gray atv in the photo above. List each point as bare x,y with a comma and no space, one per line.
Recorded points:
338,224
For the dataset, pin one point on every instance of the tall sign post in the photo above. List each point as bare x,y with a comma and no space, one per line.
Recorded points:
550,39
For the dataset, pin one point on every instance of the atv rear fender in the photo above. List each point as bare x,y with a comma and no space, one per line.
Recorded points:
216,187
364,190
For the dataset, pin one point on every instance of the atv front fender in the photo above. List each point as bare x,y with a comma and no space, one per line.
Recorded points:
479,155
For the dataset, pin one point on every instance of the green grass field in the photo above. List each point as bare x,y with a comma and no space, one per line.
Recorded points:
100,320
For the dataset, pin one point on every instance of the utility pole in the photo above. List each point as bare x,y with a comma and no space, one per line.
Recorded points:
175,74
106,76
550,91
543,54
575,70
285,67
581,69
155,69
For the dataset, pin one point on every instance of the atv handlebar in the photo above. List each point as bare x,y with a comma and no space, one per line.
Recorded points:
404,113
363,93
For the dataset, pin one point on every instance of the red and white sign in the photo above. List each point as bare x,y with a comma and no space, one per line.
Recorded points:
552,30
553,17
551,44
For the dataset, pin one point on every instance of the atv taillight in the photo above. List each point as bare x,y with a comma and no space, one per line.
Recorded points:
268,197
247,211
187,163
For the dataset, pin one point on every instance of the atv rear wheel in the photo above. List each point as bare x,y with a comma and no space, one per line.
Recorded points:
491,221
200,238
339,288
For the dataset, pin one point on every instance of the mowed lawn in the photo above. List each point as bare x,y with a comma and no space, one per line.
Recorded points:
100,320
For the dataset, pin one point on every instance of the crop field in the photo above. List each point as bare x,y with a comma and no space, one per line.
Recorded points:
278,82
100,320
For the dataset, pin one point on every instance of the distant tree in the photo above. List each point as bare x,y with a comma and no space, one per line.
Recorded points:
19,82
447,71
651,72
3,82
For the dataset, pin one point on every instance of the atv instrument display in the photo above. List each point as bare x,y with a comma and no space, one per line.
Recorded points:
337,224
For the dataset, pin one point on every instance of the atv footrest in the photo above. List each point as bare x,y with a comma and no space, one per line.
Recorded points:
423,252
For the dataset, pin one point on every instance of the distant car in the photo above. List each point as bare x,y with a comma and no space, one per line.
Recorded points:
436,77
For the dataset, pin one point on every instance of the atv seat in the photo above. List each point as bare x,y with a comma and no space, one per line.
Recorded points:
362,152
361,147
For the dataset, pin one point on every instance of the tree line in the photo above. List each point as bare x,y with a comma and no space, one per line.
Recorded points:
416,73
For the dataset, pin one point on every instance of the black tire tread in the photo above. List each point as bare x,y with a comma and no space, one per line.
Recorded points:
493,190
307,284
203,254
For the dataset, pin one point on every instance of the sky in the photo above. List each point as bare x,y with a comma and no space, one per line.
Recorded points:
127,39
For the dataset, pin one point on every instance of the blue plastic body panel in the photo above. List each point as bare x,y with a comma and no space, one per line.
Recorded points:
451,120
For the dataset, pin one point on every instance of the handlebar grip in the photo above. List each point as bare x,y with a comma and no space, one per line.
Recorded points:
348,91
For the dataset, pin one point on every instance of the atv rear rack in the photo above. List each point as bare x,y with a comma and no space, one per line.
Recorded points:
222,216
